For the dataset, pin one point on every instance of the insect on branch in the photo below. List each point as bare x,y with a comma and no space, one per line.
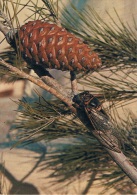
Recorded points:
85,111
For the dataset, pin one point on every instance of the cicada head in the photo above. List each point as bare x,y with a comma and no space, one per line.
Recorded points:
85,99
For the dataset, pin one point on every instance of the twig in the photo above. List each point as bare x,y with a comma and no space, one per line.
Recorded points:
55,85
119,158
126,165
40,83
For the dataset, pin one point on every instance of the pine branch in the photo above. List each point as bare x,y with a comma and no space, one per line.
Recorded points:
40,83
119,158
53,83
124,164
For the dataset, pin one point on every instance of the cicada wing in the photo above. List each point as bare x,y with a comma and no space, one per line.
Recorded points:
103,129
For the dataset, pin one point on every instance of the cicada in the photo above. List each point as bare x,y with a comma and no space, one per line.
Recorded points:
101,126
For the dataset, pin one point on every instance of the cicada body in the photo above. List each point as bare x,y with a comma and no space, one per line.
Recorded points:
102,128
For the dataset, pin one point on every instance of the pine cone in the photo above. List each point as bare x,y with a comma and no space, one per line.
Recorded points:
51,46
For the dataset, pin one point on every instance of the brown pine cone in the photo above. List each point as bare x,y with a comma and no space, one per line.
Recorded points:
51,46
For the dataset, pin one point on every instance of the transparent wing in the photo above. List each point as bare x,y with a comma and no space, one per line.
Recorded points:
103,129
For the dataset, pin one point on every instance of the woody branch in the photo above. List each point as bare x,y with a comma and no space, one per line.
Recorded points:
119,158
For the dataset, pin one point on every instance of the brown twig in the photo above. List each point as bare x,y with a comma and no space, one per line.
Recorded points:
126,165
55,85
40,83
